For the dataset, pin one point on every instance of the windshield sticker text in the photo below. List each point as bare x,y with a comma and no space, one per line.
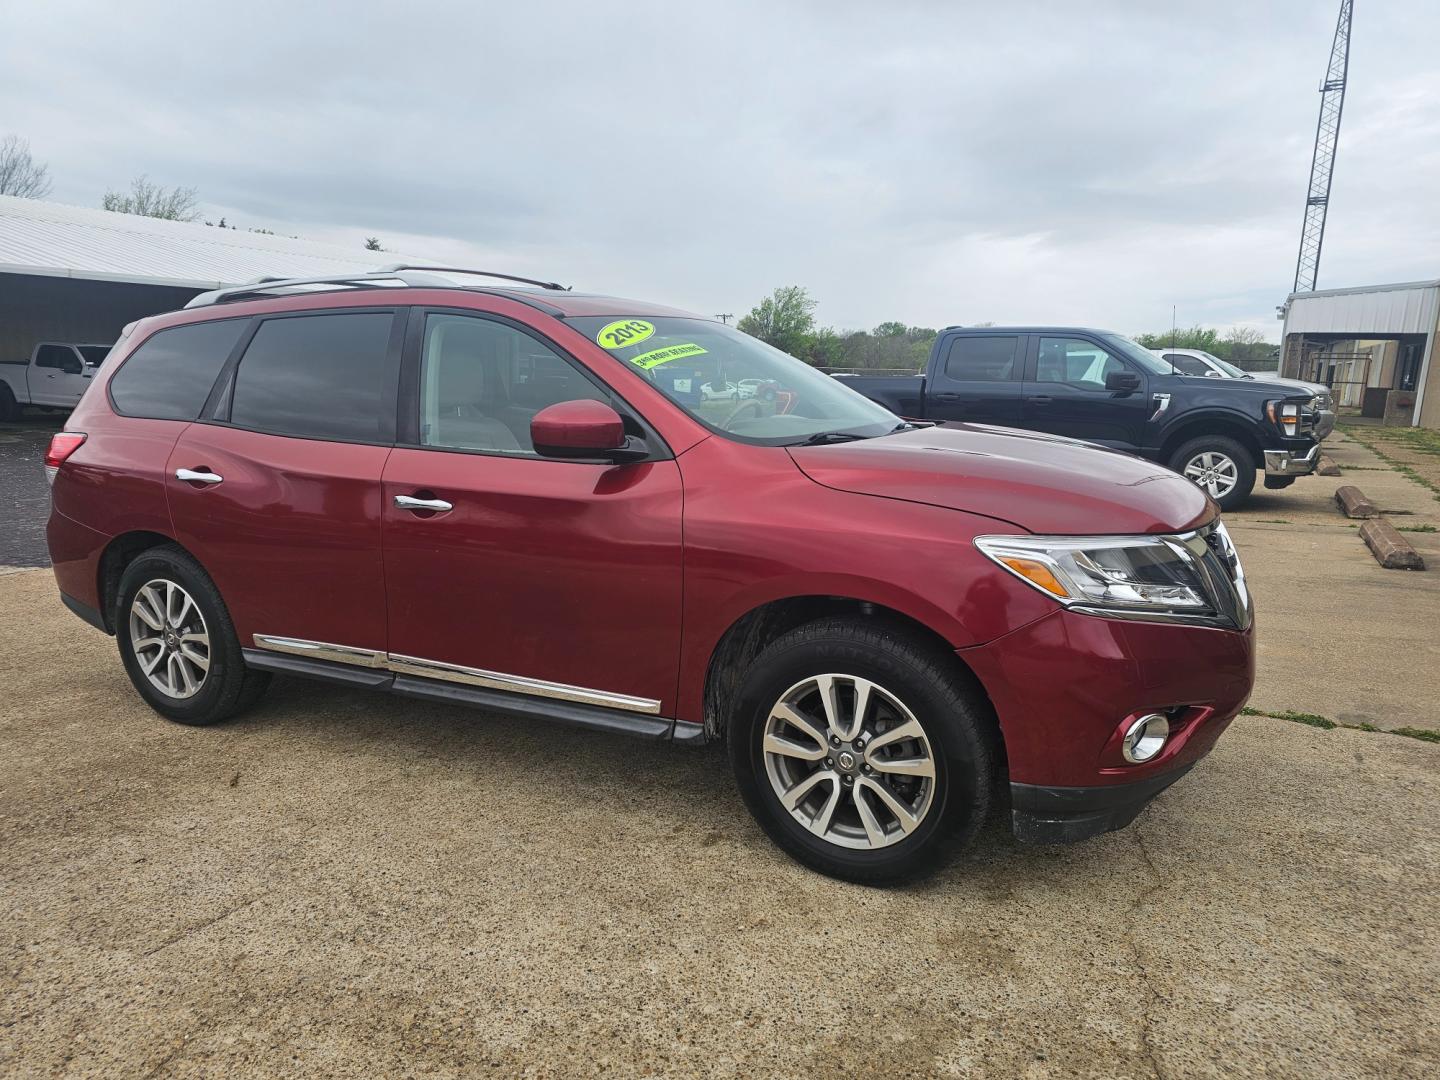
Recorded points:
623,334
656,357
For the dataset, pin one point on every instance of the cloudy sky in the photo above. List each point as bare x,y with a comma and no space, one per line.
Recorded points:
934,162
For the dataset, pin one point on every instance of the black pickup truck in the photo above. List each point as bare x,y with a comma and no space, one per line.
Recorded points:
1104,388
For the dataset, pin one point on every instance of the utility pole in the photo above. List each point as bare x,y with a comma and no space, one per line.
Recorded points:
725,318
1322,163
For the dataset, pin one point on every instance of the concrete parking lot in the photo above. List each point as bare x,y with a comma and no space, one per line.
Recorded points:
355,885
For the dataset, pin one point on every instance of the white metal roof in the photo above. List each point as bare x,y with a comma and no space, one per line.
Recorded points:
54,240
1406,308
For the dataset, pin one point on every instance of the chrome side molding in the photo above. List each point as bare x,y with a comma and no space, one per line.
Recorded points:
458,673
320,650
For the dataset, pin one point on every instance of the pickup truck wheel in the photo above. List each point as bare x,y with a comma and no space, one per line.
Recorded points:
9,407
861,750
177,642
1220,467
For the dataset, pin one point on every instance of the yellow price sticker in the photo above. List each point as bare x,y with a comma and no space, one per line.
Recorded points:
623,334
656,357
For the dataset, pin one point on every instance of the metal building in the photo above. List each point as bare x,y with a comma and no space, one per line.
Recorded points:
1373,345
70,273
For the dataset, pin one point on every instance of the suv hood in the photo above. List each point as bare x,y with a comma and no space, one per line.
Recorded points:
1041,483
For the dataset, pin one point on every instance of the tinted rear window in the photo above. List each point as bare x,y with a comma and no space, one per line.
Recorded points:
983,359
170,375
319,377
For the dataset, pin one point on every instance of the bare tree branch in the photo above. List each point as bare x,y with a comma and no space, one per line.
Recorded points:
20,174
152,200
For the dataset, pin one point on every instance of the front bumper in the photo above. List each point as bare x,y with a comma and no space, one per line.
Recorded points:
1066,687
1289,463
1062,815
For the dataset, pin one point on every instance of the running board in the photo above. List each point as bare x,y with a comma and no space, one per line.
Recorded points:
507,703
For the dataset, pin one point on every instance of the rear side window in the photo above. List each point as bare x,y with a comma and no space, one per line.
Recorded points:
319,377
170,375
983,359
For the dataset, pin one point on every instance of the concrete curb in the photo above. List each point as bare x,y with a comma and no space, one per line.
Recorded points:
1353,503
1391,550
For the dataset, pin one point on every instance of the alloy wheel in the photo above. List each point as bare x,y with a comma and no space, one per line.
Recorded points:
849,761
170,639
1217,473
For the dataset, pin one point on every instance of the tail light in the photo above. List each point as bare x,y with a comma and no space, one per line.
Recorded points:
62,445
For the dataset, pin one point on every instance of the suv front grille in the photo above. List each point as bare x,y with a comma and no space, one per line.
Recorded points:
1225,578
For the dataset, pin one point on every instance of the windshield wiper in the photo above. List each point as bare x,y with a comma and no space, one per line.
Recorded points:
822,437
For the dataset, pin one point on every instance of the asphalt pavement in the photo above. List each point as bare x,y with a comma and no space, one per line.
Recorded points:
24,496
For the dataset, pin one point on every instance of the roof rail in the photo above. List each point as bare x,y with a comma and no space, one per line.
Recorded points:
395,268
412,276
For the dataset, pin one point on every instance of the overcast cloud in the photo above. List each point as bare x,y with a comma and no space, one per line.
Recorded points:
931,162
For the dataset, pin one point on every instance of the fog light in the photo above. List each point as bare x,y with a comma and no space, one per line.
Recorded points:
1145,738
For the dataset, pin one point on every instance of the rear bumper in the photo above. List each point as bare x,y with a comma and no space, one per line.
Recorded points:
1062,815
1291,462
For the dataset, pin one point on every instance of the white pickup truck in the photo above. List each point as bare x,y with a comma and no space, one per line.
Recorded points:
54,377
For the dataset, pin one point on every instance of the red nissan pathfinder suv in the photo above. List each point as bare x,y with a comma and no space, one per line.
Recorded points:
618,515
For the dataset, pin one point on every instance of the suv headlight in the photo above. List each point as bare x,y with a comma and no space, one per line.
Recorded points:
1116,574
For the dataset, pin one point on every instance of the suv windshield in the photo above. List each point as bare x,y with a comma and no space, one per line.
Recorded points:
1229,368
736,384
1137,353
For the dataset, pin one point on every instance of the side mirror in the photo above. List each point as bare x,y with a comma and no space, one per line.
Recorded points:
1213,375
1122,381
583,429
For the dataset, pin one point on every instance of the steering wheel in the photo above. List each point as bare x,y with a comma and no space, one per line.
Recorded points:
735,413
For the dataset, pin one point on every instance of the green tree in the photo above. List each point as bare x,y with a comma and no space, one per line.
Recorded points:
1202,338
372,243
784,319
827,348
889,329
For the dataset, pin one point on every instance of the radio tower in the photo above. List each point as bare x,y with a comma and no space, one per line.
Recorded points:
1322,165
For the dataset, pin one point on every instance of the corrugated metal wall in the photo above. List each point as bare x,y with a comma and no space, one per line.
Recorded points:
63,309
1405,310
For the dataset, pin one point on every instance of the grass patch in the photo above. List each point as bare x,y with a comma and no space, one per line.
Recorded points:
1414,438
1309,718
1324,723
1416,528
1273,521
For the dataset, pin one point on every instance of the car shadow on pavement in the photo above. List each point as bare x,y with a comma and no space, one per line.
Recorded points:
677,785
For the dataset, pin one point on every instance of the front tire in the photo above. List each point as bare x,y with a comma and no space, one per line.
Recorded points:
863,749
177,642
1221,467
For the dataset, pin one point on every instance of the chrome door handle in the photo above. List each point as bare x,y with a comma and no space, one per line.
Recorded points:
406,502
203,476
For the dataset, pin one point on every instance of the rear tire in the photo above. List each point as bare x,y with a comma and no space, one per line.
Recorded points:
9,407
1221,467
177,642
932,758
